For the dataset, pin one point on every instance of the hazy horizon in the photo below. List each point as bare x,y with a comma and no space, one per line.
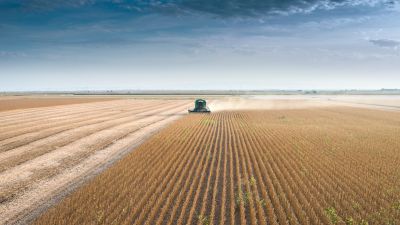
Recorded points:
75,45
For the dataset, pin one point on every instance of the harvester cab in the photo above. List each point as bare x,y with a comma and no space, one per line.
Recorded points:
200,106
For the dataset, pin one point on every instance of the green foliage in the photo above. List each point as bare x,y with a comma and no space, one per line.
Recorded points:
208,122
253,181
390,222
238,198
100,216
204,220
242,198
356,205
350,221
262,202
332,215
396,206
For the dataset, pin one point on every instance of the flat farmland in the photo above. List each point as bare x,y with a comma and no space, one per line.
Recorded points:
46,152
23,102
325,165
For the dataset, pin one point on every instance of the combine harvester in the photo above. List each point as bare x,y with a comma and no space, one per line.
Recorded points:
200,106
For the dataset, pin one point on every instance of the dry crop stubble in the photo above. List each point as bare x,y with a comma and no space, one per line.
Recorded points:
23,102
299,166
68,116
51,148
58,137
72,151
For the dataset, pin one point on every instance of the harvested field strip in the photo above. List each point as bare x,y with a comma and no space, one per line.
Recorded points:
20,138
251,167
51,114
40,145
13,103
48,111
71,113
64,137
57,116
76,150
56,148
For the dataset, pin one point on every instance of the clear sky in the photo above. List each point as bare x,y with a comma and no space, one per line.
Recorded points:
199,44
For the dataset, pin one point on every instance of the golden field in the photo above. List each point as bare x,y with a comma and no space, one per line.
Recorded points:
330,165
49,150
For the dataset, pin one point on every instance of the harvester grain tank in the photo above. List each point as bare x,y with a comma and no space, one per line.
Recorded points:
200,106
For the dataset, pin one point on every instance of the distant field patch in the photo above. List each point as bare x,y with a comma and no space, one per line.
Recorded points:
12,103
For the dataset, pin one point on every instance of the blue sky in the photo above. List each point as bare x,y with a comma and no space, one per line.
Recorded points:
199,44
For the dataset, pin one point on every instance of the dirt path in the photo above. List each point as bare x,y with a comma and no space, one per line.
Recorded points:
47,172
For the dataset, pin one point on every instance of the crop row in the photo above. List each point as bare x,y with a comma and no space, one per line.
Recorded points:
251,167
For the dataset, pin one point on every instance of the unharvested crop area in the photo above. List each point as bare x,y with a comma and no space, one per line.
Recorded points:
299,166
46,151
